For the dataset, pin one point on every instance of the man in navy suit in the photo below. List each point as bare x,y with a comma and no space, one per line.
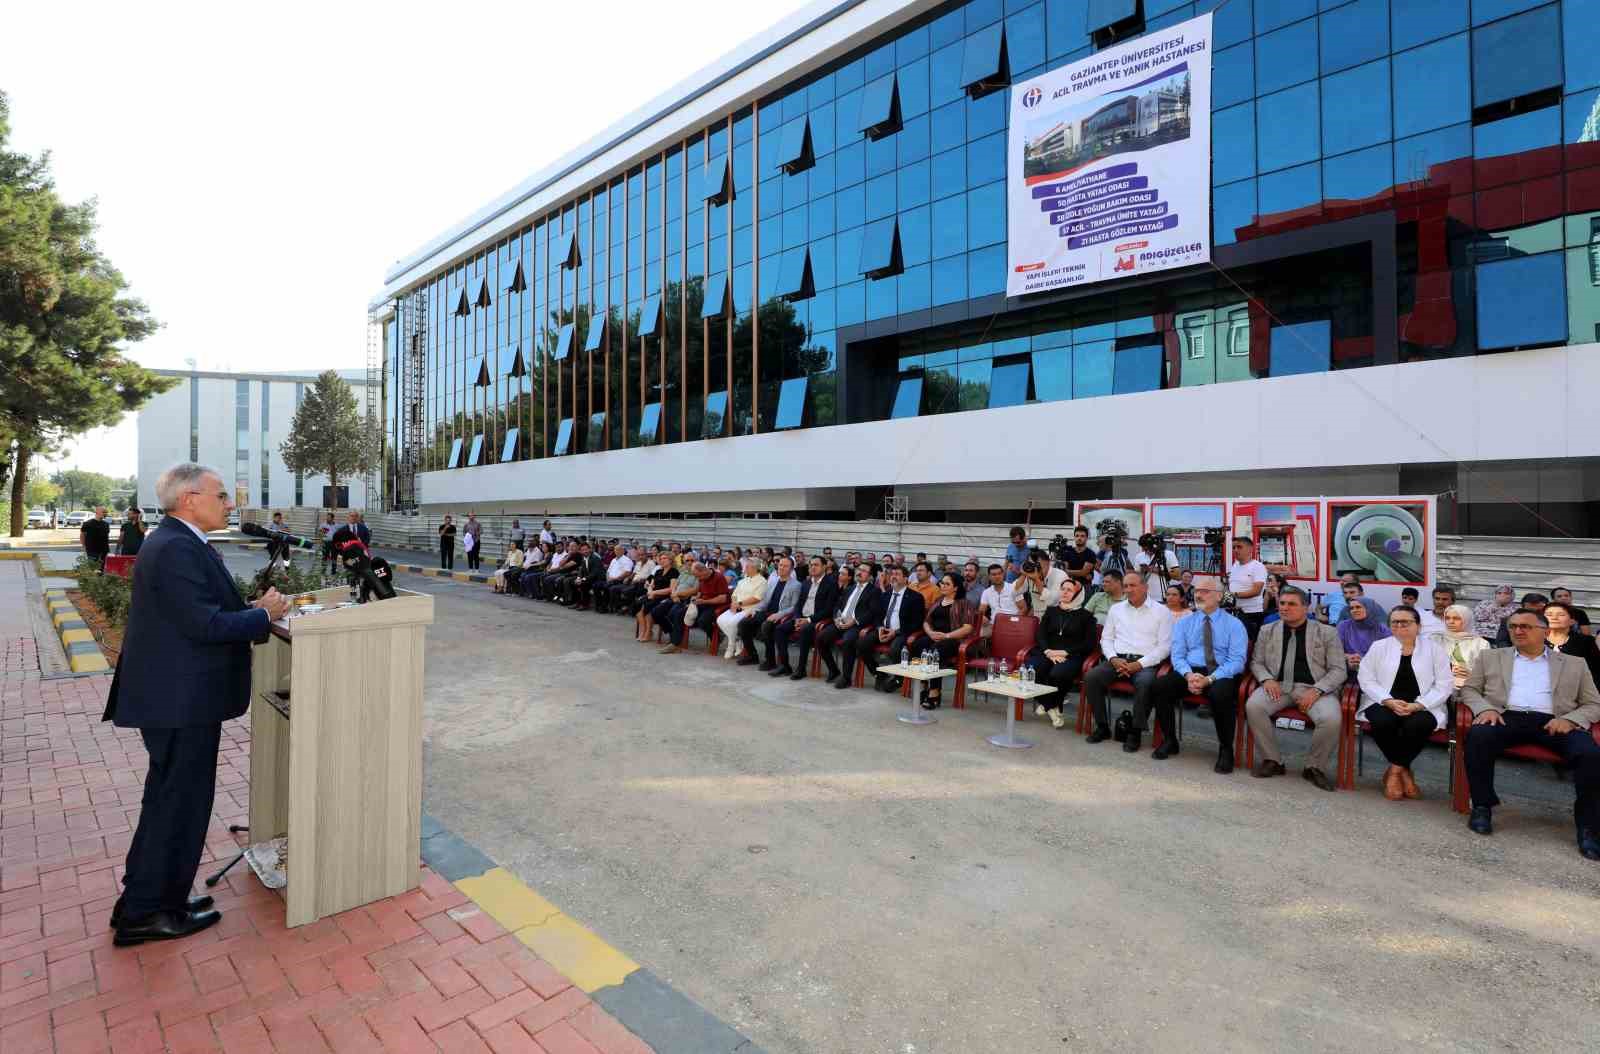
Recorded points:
903,614
185,669
818,595
857,613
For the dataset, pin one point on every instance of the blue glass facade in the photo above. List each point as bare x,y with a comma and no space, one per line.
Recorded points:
1392,180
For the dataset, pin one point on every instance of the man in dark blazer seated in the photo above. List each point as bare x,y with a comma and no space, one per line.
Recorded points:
856,613
783,599
185,669
818,594
903,613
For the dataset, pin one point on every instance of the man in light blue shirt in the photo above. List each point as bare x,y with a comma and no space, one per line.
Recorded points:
1209,647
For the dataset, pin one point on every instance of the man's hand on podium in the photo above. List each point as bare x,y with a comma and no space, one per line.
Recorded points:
274,603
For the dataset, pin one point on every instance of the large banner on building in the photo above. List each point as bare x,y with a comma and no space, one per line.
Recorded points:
1109,171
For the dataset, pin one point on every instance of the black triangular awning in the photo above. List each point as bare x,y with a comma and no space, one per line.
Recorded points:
483,299
463,306
519,368
515,282
483,375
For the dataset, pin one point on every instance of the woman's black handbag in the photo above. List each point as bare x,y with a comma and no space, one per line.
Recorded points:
1123,726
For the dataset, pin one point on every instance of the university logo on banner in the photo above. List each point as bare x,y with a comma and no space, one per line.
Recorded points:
1109,169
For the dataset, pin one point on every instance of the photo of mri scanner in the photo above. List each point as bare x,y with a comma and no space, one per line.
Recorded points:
1382,542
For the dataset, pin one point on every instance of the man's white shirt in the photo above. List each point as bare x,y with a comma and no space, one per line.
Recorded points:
1145,631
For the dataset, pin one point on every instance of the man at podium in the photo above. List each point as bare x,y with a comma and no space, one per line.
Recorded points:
184,669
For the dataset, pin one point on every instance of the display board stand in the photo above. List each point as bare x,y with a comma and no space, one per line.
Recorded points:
336,750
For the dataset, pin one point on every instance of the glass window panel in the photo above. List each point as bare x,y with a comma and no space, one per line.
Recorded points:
1293,119
1306,347
911,88
563,437
794,274
850,206
878,106
914,187
916,235
1281,56
947,127
1516,56
715,302
986,271
1233,143
564,342
650,424
791,403
1511,139
946,28
986,159
1091,369
1066,26
1025,45
911,45
914,288
986,215
1270,14
981,12
1354,33
1489,10
1008,384
1432,87
511,451
1432,156
1578,22
1581,121
1360,176
986,115
980,61
949,223
972,385
595,439
1103,13
1355,108
455,454
476,455
949,279
597,333
794,233
1522,302
907,398
944,74
912,143
879,248
949,173
1052,374
1290,191
882,301
1138,368
650,317
880,196
1232,207
1583,288
716,180
1233,76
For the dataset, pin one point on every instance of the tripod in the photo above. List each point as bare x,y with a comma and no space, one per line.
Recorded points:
233,828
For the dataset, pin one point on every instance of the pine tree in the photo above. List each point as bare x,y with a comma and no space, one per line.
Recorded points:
328,436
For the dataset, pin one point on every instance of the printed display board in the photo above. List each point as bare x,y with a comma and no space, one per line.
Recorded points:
1387,542
1108,162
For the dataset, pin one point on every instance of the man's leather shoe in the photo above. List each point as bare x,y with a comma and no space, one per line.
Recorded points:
780,671
1481,820
831,675
1589,844
746,660
766,664
1317,778
841,683
1100,734
163,926
1131,744
1267,767
195,904
798,675
1165,750
1224,763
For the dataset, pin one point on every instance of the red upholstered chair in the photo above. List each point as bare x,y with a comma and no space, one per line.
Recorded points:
713,634
1461,796
1012,639
973,640
1356,728
816,652
1344,766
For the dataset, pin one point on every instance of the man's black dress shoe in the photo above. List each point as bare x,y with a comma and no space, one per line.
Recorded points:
840,682
780,671
1317,778
1100,734
1131,744
195,904
1267,767
163,926
746,660
766,665
1224,763
1165,750
798,675
1589,844
1481,820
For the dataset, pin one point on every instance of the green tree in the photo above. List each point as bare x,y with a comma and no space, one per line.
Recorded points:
328,436
82,489
42,492
63,322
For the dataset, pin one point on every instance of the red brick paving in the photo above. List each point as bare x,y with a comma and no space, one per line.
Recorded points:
420,972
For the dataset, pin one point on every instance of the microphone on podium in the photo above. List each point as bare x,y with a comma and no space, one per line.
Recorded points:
370,572
282,538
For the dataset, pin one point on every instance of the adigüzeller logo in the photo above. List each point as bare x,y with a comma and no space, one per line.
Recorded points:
1031,97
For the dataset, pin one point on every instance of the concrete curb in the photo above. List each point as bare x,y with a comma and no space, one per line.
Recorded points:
77,640
669,1021
435,572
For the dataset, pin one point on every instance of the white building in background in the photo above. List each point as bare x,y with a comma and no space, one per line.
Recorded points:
236,421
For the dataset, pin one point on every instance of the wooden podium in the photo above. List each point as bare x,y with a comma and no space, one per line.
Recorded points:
337,763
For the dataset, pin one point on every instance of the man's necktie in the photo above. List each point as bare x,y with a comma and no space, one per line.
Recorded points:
1205,631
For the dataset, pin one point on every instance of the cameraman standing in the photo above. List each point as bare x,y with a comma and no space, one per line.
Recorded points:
1247,581
1155,560
1079,560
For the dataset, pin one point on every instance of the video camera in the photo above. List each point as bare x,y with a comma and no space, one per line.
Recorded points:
276,539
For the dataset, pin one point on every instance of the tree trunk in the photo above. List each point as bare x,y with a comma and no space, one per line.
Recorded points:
19,490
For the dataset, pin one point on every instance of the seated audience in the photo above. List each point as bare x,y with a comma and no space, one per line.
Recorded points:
947,623
1353,590
747,596
1209,647
546,586
588,572
972,584
658,589
818,595
998,598
626,594
855,615
619,573
1109,593
1489,614
1461,644
1528,693
1531,602
1136,641
505,576
1432,625
1175,601
684,588
783,594
922,581
1297,662
1580,617
1405,693
1565,637
1359,630
903,615
1068,635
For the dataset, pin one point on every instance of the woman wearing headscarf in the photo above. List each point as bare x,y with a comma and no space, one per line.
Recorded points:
1488,615
1460,643
1360,631
1068,635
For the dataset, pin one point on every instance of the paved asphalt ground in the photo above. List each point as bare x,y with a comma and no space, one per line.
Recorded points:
826,879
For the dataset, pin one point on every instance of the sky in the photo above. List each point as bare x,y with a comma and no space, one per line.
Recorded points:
259,168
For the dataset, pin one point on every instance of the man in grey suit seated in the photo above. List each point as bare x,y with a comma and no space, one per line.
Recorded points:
1529,693
1298,662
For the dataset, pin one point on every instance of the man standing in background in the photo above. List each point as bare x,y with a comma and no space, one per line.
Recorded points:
95,536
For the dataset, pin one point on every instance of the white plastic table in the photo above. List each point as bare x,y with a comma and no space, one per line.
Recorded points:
917,675
1009,690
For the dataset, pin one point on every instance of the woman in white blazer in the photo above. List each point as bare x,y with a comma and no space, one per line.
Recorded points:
1405,691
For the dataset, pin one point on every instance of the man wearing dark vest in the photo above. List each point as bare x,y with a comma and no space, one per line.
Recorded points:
184,670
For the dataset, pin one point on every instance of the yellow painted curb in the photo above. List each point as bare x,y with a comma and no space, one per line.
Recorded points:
461,576
73,636
88,663
590,962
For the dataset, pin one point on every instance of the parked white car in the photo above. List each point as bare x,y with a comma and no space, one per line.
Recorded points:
38,518
75,519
